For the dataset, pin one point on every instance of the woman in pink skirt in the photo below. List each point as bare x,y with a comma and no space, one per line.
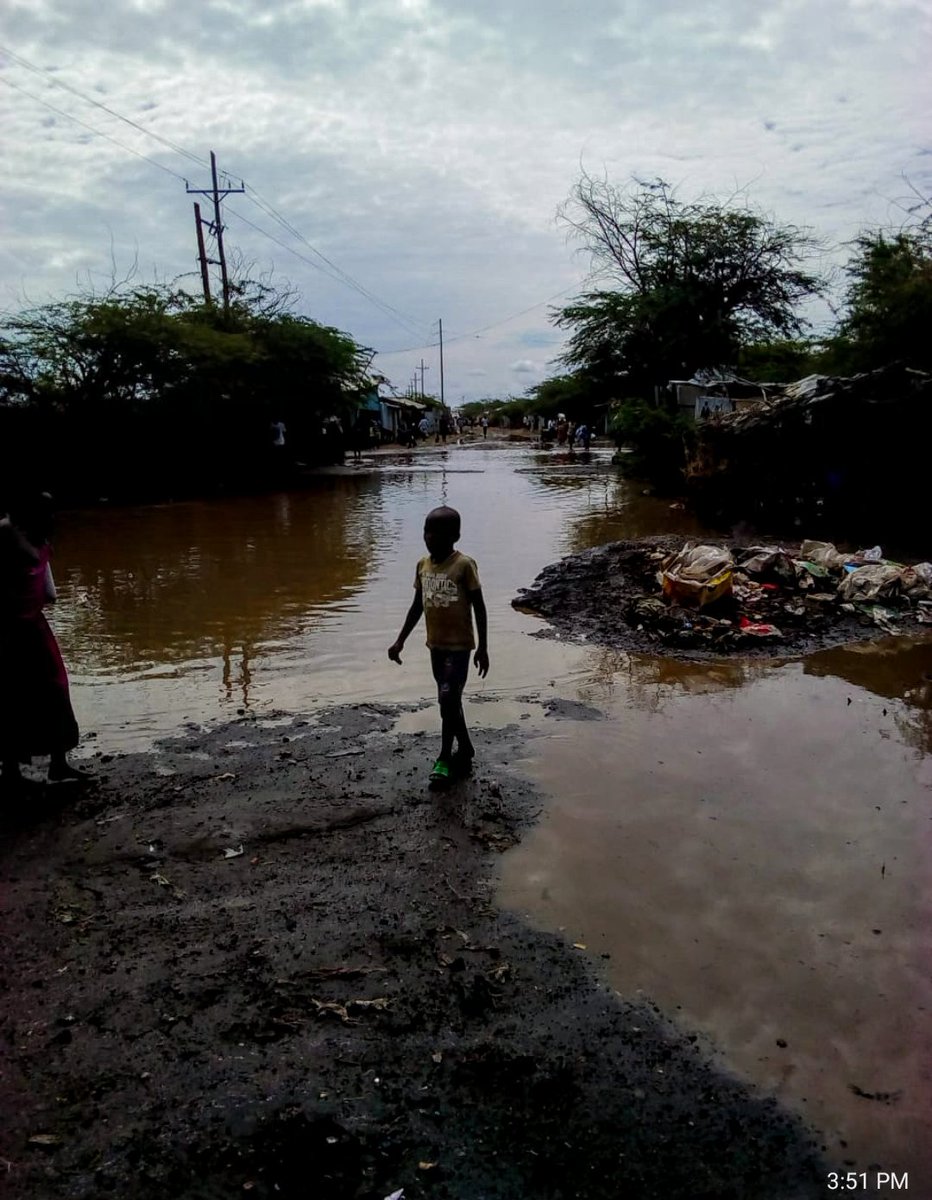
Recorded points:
36,717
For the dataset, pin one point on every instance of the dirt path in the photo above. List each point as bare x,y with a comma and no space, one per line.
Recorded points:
266,961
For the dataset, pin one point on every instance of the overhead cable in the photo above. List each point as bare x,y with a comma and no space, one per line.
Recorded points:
99,132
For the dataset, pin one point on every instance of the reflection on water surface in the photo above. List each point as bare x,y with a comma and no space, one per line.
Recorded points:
732,833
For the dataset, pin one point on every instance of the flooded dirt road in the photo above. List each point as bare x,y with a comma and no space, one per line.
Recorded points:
751,844
190,611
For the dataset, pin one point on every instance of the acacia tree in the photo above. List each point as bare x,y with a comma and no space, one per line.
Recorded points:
561,393
889,299
683,285
151,387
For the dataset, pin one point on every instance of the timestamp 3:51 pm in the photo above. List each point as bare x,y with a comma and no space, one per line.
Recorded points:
867,1181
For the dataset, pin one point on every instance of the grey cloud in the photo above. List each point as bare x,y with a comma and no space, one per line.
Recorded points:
425,148
538,337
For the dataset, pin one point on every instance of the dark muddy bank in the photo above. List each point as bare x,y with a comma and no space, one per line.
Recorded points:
265,962
610,595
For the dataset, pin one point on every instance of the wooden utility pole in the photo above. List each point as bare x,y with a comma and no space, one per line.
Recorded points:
422,369
218,226
440,322
201,252
217,194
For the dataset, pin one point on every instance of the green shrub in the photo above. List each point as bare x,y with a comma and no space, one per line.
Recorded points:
658,440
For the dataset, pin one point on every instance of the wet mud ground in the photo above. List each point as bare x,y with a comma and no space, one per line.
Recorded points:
597,595
339,1011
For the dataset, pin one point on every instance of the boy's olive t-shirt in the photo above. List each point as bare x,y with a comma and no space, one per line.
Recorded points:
444,588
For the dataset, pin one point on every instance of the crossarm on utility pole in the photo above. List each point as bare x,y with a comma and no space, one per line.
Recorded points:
217,194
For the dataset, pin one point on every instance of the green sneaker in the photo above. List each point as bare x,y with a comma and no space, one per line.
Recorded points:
440,773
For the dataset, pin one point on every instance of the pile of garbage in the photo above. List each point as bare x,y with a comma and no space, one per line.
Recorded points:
668,595
725,598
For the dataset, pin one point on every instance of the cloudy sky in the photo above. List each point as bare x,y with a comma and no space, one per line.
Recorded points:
423,146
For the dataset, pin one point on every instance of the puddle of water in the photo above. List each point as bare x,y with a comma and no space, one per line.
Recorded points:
184,612
759,865
495,714
732,834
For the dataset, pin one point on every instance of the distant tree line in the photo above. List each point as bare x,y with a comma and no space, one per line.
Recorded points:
149,392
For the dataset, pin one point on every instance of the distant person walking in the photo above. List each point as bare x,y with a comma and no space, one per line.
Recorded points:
359,437
485,426
278,432
36,717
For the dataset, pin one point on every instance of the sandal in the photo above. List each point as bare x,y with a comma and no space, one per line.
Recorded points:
440,773
69,775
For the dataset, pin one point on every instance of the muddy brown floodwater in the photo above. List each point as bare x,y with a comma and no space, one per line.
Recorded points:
748,846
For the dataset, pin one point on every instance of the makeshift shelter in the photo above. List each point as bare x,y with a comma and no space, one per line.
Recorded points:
846,455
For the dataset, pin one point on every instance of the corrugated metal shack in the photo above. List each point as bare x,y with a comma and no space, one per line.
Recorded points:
849,456
709,393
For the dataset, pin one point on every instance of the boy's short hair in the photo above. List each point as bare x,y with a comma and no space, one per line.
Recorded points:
444,516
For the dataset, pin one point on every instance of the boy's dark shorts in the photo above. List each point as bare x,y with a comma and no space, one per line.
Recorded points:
450,668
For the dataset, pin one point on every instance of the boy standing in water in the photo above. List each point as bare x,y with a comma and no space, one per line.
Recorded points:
447,592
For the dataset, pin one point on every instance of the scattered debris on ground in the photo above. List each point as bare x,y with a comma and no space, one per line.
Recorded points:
668,594
340,1011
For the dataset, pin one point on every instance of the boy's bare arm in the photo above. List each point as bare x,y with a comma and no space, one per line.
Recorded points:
414,615
482,631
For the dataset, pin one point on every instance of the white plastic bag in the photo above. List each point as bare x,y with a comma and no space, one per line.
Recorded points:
872,582
699,564
823,554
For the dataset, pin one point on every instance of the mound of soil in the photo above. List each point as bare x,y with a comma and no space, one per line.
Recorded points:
611,595
265,962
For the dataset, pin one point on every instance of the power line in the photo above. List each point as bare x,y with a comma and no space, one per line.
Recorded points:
484,329
266,207
129,149
514,316
303,257
52,78
412,325
336,273
77,120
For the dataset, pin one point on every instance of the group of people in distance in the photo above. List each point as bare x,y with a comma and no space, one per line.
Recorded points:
366,432
568,433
